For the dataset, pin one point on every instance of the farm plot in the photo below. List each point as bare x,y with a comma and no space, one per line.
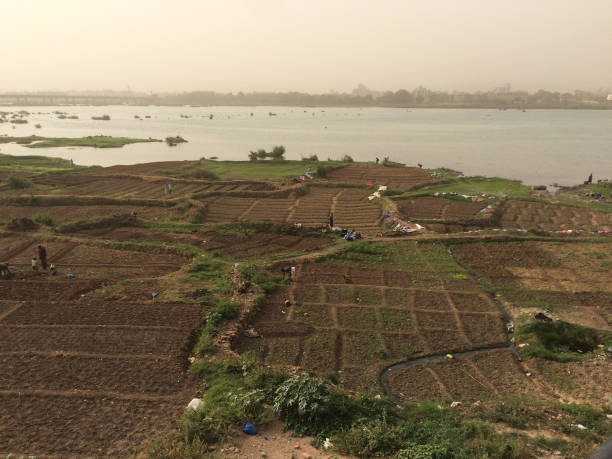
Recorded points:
433,208
467,378
353,210
121,187
349,320
64,214
350,208
573,280
260,244
395,178
549,217
313,208
110,375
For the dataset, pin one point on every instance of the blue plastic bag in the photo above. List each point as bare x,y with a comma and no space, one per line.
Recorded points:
249,429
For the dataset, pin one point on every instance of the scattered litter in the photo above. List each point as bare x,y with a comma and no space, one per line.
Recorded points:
251,333
70,276
609,416
510,327
455,404
154,294
522,345
450,356
249,429
195,403
581,427
327,444
528,374
476,403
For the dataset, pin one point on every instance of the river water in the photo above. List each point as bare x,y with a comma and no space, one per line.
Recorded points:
539,147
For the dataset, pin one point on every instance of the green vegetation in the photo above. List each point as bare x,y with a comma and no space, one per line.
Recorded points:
101,118
266,281
43,219
197,217
560,341
473,186
99,141
16,182
239,389
277,154
269,170
175,140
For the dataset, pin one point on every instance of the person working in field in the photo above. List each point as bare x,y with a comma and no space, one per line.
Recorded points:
42,255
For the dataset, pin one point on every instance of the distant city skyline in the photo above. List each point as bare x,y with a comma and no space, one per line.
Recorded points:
312,47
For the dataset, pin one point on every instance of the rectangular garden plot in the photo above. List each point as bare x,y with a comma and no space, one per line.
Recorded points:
78,426
160,376
96,340
174,315
357,317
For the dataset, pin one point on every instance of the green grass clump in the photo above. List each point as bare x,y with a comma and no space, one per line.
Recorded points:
197,217
266,281
43,219
15,182
560,341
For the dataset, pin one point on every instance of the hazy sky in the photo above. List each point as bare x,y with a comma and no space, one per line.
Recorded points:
305,45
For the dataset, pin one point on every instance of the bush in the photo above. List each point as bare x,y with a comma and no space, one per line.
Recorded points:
220,313
43,219
18,183
302,403
197,217
277,153
558,340
310,158
347,159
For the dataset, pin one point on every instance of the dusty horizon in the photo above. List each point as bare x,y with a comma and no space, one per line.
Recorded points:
314,47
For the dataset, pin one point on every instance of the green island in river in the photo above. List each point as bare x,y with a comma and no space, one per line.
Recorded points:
96,141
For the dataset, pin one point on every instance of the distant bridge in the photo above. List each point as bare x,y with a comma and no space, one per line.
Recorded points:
70,99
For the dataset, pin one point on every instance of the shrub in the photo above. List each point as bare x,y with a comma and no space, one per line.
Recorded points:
220,313
18,183
43,219
558,340
310,158
302,403
347,159
277,153
197,217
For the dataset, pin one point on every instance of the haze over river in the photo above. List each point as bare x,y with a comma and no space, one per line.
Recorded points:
540,147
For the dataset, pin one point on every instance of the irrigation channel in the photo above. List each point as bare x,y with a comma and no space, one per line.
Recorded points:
384,374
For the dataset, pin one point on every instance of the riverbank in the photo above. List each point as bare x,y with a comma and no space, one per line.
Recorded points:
489,302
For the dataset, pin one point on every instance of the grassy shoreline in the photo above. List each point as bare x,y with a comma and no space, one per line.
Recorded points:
101,141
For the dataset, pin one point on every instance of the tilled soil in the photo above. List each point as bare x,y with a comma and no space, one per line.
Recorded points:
88,377
395,178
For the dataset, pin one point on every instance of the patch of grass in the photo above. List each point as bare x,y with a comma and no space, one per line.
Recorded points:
560,341
266,281
15,182
100,141
43,219
270,170
197,217
473,186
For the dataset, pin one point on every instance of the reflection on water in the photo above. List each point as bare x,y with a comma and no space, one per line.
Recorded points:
537,146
